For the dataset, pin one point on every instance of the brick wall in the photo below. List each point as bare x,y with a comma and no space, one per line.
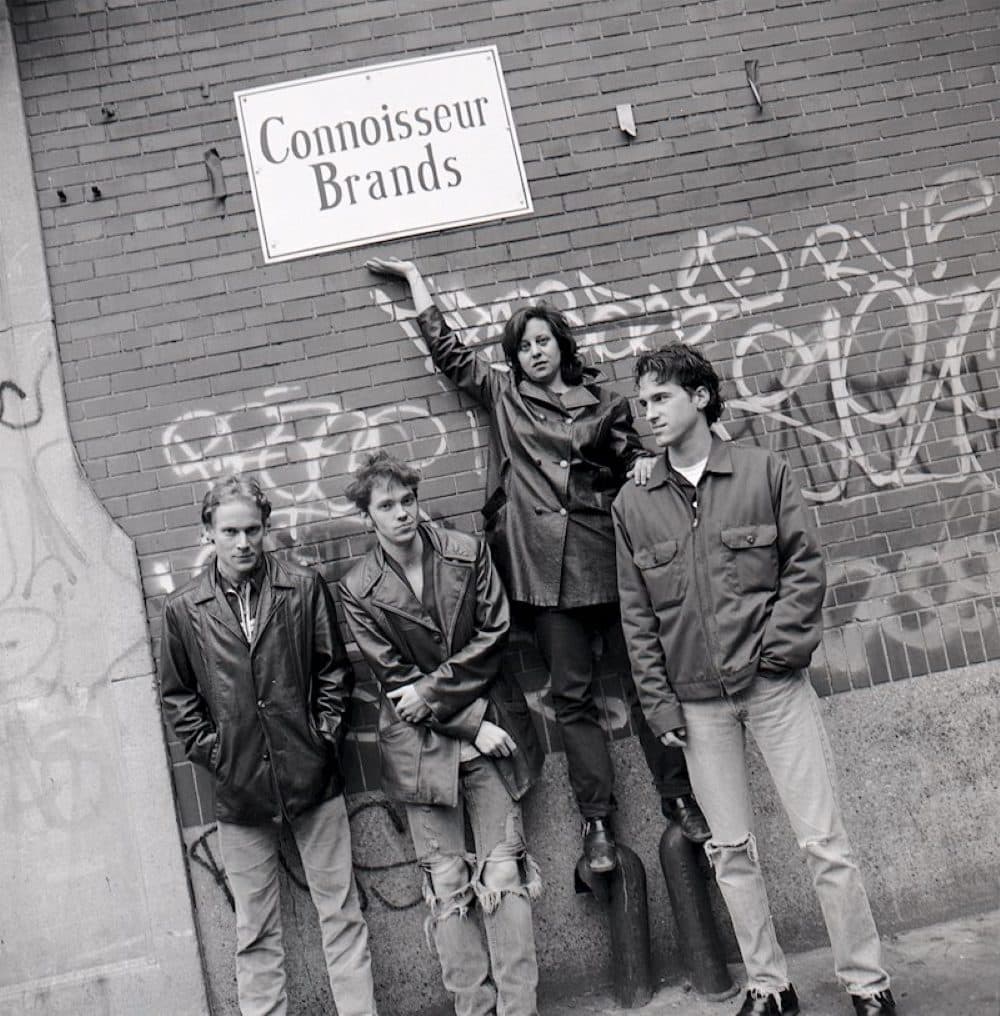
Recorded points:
834,252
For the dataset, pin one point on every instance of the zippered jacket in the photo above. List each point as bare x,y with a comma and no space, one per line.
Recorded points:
712,595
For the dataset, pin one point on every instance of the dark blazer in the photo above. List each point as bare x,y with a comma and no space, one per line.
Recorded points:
264,718
454,665
551,461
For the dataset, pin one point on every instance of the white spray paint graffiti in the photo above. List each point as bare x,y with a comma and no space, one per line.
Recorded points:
299,448
880,422
889,383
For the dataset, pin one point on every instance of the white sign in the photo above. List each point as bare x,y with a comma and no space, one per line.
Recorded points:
381,152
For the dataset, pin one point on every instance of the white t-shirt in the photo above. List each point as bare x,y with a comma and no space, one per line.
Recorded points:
693,473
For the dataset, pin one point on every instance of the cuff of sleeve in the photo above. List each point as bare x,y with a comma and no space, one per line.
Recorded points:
431,320
667,719
472,718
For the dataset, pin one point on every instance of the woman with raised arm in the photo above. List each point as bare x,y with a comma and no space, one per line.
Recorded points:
561,446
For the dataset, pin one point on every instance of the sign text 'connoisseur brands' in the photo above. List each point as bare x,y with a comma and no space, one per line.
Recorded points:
381,152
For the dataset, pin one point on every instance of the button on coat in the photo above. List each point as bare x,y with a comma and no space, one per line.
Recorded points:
264,718
555,466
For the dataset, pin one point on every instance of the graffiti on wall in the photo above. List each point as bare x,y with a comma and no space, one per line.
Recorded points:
300,448
20,410
897,341
868,354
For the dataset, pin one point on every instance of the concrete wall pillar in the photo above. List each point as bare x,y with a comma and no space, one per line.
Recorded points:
96,914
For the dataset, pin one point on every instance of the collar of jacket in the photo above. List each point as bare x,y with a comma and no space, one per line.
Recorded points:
375,564
576,397
271,593
719,461
273,574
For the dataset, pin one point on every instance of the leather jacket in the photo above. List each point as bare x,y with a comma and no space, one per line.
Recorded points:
710,598
455,665
551,461
263,718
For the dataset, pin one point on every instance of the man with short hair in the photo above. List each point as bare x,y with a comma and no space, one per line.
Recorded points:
722,581
255,682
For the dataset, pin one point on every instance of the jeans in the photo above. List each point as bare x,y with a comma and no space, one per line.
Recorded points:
782,714
564,640
250,856
498,973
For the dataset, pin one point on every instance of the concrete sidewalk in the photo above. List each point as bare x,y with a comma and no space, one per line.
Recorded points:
950,969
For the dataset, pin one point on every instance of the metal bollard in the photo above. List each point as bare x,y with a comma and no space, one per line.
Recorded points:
623,891
697,934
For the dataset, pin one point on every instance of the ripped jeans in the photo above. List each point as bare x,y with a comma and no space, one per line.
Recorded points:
782,714
498,973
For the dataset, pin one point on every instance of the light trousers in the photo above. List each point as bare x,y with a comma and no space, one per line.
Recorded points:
782,715
250,857
480,903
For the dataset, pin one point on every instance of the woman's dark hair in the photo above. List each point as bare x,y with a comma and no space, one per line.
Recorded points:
234,487
681,365
571,364
379,467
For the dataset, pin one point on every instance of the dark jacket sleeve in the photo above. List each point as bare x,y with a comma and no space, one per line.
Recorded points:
468,673
795,625
332,674
186,710
623,440
661,707
461,364
391,670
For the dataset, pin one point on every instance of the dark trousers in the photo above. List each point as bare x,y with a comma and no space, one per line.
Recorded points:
564,640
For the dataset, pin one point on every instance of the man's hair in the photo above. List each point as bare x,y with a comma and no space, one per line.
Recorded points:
379,467
234,487
681,365
571,364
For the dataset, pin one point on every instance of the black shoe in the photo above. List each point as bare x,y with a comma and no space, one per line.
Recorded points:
686,813
873,1005
599,845
765,1005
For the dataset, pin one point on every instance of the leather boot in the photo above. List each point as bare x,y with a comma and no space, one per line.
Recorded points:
787,1004
599,845
874,1005
686,813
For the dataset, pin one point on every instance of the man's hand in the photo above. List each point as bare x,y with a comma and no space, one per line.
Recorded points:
641,469
676,738
494,740
409,705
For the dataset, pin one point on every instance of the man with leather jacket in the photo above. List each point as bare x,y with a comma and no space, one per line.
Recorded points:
255,682
721,578
456,741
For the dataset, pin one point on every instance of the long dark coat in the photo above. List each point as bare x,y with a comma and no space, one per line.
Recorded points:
555,468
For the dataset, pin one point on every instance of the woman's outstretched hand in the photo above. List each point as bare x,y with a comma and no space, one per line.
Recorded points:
409,273
392,266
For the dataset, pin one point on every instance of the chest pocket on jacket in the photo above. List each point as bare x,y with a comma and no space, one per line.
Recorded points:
663,572
753,557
